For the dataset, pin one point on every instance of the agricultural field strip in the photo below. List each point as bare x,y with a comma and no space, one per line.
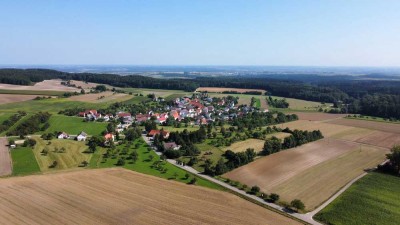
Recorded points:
5,158
117,196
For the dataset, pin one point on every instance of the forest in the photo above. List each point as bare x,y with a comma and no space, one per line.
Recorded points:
379,98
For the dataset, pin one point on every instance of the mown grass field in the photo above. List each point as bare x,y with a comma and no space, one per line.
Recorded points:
241,146
144,165
301,105
72,157
24,161
74,125
374,199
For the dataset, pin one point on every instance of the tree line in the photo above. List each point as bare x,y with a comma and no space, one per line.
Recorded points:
296,138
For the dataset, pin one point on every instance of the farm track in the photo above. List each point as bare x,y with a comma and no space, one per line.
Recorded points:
5,158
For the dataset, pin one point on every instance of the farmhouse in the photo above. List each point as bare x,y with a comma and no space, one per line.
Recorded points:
81,137
62,135
171,146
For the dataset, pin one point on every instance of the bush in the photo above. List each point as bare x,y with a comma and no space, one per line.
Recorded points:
273,197
297,204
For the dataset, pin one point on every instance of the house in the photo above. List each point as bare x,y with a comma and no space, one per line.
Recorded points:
62,135
162,118
109,137
175,115
81,137
171,146
141,118
163,133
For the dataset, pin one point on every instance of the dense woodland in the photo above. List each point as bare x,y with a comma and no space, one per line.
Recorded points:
356,95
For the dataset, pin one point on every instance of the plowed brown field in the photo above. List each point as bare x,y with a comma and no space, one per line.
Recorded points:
118,196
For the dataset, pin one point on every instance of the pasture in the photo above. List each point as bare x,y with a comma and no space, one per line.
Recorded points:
118,196
24,161
74,125
374,199
72,157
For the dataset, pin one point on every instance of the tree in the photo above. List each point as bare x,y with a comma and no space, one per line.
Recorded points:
297,204
394,158
134,156
101,88
273,197
193,180
254,190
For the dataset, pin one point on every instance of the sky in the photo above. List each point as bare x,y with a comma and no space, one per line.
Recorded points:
201,32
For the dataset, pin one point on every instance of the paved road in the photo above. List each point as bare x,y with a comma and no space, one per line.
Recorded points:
5,158
308,217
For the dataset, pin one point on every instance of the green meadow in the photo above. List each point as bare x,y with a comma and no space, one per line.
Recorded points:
74,125
24,161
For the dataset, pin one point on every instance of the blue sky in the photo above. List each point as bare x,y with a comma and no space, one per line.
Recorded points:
201,32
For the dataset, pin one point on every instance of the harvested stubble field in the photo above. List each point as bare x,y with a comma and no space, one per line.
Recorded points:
220,90
311,172
241,146
9,98
381,126
118,196
107,96
46,85
315,116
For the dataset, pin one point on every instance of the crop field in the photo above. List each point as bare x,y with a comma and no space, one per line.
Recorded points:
118,196
241,146
381,126
74,125
374,199
46,85
9,98
72,157
303,172
24,161
107,96
220,90
158,92
32,92
327,129
5,158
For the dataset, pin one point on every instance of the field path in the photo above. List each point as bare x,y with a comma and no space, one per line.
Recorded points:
5,158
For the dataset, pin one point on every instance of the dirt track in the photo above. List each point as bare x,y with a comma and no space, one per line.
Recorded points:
118,196
5,158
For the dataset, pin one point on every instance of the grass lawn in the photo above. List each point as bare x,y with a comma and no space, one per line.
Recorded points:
74,125
24,161
374,199
257,103
71,158
144,164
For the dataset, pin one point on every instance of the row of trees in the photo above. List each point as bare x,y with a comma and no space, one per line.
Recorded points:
277,103
296,138
232,160
37,122
11,121
260,119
